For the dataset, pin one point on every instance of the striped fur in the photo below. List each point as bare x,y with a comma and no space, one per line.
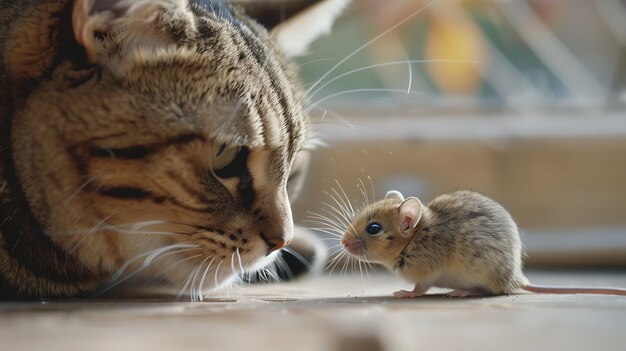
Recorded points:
157,137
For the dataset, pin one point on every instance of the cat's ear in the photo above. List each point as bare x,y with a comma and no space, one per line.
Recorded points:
132,23
295,24
394,194
410,213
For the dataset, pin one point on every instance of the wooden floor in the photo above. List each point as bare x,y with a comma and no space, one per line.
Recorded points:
328,313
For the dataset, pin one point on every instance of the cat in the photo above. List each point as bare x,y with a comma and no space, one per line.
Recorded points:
161,138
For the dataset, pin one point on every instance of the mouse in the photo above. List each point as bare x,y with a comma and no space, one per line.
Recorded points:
463,241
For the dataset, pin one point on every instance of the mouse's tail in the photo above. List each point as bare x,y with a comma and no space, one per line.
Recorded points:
572,290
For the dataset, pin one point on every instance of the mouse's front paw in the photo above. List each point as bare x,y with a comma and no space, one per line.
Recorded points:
407,294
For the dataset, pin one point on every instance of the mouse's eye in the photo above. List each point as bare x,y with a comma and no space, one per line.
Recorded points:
373,228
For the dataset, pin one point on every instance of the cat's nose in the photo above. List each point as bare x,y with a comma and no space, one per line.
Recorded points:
275,239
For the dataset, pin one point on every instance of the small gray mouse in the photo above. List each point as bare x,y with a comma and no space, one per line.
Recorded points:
463,241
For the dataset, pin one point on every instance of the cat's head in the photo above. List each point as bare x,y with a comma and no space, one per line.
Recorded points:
164,133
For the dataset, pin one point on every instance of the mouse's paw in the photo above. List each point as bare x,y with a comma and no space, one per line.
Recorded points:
467,293
418,291
405,294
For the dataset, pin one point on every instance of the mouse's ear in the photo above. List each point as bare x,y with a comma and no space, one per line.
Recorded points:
394,194
410,211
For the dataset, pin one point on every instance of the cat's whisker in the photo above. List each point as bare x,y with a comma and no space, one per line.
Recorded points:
368,43
194,287
232,263
239,259
81,188
410,78
217,270
360,90
340,120
272,275
299,257
152,255
186,282
171,266
281,265
201,285
89,233
263,275
390,63
314,61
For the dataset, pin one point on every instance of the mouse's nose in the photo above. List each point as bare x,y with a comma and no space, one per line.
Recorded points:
345,241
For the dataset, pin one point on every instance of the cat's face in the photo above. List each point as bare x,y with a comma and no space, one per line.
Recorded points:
168,152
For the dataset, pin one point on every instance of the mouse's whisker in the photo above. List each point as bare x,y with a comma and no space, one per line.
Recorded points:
341,211
344,217
325,221
361,187
369,264
360,269
344,268
334,262
345,209
352,212
348,209
335,228
336,252
373,191
341,205
335,213
336,246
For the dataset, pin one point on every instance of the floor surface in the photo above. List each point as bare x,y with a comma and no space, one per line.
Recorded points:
328,313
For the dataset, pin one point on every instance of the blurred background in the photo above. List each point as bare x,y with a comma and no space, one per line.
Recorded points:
524,101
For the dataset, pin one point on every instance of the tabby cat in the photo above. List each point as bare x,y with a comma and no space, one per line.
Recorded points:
161,138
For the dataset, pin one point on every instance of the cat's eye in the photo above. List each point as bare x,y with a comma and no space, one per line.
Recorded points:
229,161
373,228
